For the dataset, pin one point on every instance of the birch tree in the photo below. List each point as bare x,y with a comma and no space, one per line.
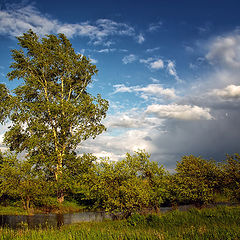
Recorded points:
53,112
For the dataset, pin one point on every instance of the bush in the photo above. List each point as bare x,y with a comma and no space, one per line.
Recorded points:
136,219
196,180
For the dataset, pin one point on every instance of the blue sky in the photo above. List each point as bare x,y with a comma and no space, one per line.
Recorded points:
170,70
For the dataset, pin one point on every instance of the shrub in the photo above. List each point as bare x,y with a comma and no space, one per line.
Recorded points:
136,219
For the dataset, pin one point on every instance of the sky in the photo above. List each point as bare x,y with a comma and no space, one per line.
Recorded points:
169,69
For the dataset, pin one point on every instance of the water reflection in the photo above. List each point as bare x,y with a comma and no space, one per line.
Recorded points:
57,220
51,220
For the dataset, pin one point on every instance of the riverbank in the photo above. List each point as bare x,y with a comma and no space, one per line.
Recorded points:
67,207
209,223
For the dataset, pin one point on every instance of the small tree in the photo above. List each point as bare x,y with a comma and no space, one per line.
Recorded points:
129,185
53,112
19,179
231,173
196,180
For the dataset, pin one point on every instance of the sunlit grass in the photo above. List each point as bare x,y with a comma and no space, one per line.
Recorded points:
12,210
67,207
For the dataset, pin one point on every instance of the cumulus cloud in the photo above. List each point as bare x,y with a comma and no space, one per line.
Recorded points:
229,92
157,90
150,90
183,112
158,64
18,19
129,58
131,119
225,51
124,121
153,63
128,141
204,121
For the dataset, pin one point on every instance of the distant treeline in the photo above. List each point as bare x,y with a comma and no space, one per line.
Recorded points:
129,185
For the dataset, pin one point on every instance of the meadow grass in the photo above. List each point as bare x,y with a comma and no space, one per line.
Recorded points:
12,210
218,223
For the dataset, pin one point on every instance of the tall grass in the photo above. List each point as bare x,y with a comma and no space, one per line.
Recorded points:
218,223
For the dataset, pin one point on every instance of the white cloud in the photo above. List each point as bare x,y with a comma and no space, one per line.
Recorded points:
122,88
128,141
229,92
153,27
158,64
140,38
150,50
108,155
171,68
153,63
157,90
150,90
124,121
106,50
129,59
225,50
183,112
146,61
14,22
154,80
18,19
207,98
133,118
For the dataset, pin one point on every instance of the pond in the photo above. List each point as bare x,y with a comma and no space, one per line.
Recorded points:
57,220
51,220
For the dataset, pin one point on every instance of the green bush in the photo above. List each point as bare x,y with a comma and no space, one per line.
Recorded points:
136,219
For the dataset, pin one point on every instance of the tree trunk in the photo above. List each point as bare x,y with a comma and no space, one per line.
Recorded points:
58,175
28,204
60,196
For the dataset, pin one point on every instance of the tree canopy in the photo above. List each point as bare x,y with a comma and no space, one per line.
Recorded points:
196,180
53,111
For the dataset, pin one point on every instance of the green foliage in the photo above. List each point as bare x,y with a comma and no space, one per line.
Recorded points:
53,112
136,219
231,173
20,179
129,185
5,103
77,175
196,180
